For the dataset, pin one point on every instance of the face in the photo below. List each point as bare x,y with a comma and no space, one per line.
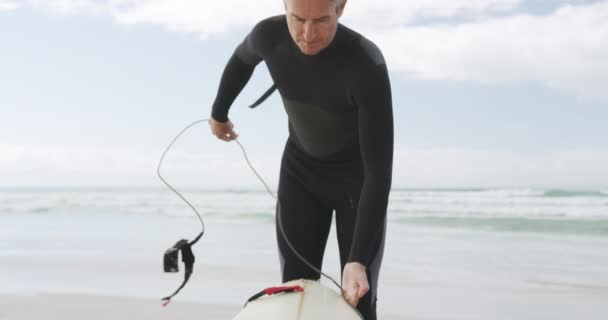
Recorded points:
312,23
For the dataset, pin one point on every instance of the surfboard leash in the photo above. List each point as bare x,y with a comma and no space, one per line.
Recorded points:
170,260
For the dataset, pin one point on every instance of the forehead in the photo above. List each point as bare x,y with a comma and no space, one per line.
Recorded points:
310,8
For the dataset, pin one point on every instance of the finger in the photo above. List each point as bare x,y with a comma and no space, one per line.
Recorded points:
218,135
224,135
363,289
350,294
346,296
229,136
350,299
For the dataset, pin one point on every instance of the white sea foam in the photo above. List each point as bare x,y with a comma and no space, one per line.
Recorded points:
571,212
245,204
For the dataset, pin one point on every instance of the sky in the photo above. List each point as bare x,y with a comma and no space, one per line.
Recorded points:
486,93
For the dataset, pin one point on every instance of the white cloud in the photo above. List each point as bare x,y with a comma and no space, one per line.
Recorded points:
8,5
396,13
487,41
567,49
72,6
202,17
216,164
190,16
463,167
206,17
223,165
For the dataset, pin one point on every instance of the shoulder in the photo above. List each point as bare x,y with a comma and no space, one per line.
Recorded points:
366,68
261,40
363,49
270,23
371,51
267,30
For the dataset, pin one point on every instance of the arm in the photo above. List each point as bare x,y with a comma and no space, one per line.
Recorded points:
373,98
237,73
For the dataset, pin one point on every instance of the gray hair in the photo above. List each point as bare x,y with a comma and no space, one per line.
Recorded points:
337,2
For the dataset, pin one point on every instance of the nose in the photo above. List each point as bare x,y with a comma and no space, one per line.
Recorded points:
310,32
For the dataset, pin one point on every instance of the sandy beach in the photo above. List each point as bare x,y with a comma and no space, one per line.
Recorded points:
100,257
98,307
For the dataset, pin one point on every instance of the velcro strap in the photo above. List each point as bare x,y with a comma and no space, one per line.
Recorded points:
273,290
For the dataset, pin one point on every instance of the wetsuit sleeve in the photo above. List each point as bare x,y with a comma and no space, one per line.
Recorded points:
237,73
372,96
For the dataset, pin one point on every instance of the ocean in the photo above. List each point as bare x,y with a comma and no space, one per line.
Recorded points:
485,253
552,211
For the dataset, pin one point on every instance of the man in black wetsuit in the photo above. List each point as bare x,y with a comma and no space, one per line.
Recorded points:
335,89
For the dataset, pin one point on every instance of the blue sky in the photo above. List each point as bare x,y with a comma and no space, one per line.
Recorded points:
486,93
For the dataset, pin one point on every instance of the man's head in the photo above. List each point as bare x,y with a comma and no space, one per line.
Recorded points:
313,23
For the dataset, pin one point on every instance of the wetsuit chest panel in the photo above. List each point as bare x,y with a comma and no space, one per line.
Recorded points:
319,81
321,131
316,97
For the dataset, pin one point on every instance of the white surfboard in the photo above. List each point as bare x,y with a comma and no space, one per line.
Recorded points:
316,302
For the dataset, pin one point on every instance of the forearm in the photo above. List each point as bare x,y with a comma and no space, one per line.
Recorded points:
371,218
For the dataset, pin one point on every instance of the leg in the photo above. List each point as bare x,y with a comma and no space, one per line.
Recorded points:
306,222
346,213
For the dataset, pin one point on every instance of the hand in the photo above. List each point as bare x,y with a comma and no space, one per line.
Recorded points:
354,282
222,130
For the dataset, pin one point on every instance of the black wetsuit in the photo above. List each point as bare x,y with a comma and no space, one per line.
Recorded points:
340,148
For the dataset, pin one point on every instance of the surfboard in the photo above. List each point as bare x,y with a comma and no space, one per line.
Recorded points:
314,302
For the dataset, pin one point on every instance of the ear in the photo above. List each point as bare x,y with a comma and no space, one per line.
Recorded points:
341,8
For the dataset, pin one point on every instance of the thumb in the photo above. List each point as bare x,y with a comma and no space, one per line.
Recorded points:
362,289
352,295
